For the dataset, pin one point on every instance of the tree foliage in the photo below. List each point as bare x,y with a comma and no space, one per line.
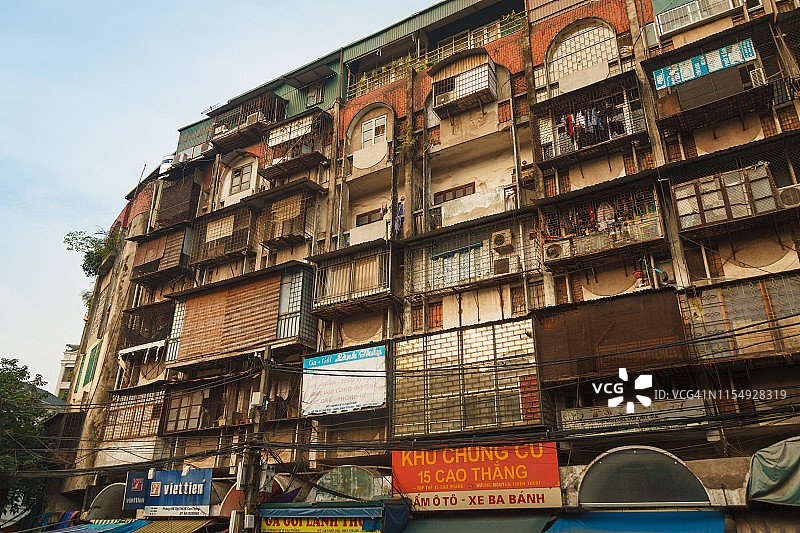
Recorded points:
94,247
22,416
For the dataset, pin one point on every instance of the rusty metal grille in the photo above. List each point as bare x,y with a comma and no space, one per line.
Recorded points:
217,237
287,220
352,278
749,318
299,137
601,223
145,324
476,255
590,119
471,378
269,108
133,415
178,202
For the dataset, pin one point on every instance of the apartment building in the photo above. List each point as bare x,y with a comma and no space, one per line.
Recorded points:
553,239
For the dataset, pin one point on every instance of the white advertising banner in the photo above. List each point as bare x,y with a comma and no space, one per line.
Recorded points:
344,381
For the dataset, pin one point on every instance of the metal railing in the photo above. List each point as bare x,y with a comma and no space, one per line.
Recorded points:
352,279
690,13
398,68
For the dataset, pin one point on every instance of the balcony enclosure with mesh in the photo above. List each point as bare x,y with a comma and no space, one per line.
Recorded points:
145,324
297,145
592,122
160,256
481,255
353,283
223,235
244,122
600,224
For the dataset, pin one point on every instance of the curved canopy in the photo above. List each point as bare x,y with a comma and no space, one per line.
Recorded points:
640,477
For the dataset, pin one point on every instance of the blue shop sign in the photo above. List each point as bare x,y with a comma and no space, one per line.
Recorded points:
169,492
704,64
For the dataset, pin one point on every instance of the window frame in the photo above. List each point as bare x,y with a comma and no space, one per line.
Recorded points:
315,94
239,186
454,193
361,221
371,127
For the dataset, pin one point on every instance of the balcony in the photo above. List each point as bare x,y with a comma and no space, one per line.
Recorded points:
730,198
177,203
145,326
398,69
588,123
483,255
600,225
160,256
744,319
352,283
287,221
466,90
640,329
236,125
222,236
297,146
691,13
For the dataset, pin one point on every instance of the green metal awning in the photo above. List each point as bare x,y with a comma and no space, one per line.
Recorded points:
775,473
532,523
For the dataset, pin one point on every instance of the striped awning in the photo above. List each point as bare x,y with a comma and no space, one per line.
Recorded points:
173,526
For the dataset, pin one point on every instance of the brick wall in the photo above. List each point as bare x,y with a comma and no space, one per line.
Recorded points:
543,33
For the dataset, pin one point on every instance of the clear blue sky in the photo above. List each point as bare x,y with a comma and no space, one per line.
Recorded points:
91,91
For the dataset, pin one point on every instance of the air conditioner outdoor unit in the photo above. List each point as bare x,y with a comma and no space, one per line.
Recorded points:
184,157
789,196
206,147
252,118
557,250
219,130
502,242
443,99
505,265
757,77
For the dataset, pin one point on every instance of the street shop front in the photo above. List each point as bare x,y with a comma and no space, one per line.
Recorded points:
387,516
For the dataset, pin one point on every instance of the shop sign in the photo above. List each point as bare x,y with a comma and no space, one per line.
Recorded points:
344,381
311,525
169,492
594,418
508,477
704,64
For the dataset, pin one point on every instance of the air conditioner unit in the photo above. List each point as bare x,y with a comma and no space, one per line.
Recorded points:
557,250
252,118
757,77
443,99
789,196
502,242
219,130
206,147
505,265
182,158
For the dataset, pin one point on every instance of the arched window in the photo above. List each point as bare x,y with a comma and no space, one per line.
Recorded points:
585,44
643,476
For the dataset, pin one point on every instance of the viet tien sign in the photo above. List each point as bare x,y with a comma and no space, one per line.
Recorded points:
169,492
704,64
508,477
662,412
344,381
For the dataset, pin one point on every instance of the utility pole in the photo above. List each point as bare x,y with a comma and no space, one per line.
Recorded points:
252,457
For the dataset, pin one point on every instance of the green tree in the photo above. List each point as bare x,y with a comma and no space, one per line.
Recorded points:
22,416
94,247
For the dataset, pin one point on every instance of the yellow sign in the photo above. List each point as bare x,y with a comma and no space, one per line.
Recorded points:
312,525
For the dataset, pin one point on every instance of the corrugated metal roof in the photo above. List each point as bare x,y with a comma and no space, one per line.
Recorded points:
408,26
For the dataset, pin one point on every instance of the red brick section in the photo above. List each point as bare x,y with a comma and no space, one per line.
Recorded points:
394,95
137,205
542,34
645,9
505,51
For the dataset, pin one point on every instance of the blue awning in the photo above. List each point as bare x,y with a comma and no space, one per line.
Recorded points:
641,522
118,527
323,512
